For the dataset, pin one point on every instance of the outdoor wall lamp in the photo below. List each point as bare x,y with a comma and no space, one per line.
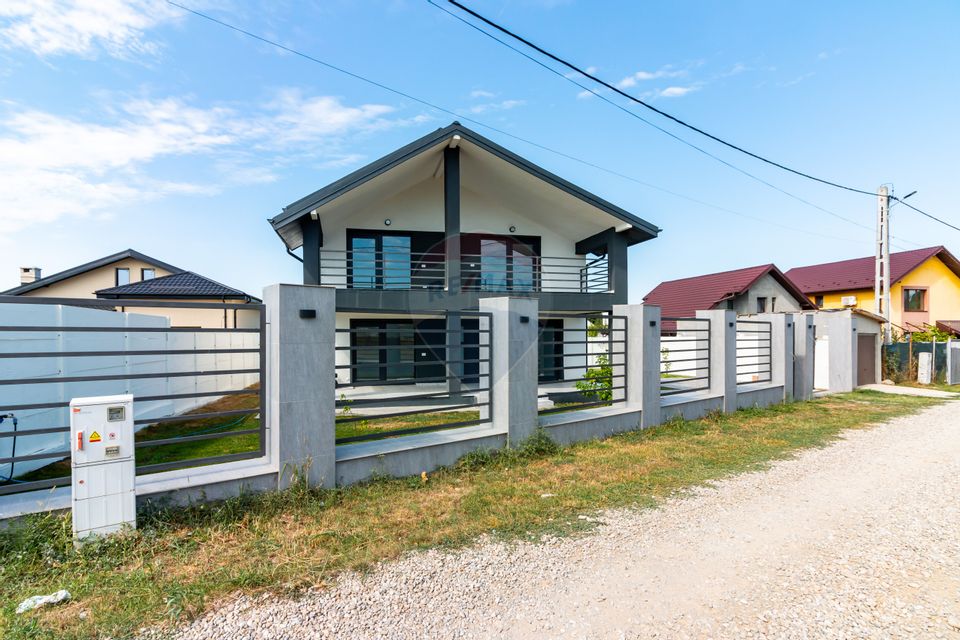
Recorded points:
513,229
388,222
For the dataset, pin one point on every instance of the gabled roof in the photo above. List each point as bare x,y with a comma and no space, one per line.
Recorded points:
185,284
287,228
847,275
90,266
682,298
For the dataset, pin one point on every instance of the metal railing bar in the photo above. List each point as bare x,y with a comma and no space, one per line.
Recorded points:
406,432
174,396
578,406
132,352
19,487
196,462
413,362
126,376
128,302
36,456
394,347
439,395
33,432
398,381
397,414
390,331
197,416
33,328
203,436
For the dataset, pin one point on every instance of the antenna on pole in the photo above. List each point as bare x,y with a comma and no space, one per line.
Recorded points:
881,279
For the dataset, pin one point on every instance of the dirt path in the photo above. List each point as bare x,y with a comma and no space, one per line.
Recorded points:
858,540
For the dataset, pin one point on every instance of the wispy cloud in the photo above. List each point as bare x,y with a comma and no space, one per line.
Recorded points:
52,166
797,80
643,76
502,105
676,92
480,93
83,27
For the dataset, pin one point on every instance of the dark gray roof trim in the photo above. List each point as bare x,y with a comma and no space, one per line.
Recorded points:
90,266
178,285
642,230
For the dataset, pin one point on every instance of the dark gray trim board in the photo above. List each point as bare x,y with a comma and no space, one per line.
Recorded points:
370,300
284,225
90,266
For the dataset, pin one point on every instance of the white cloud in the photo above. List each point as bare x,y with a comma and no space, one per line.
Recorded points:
503,105
643,76
675,92
52,166
480,93
82,27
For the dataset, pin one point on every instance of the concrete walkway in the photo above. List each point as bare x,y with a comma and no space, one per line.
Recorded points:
909,391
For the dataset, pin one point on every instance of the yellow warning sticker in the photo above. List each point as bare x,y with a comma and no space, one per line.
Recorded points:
95,436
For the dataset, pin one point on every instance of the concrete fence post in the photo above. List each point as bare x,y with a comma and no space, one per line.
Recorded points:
300,382
723,355
781,350
642,360
514,357
842,336
804,343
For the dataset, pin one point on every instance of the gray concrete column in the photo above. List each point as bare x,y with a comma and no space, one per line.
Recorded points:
300,391
781,350
642,360
723,355
842,340
514,359
804,343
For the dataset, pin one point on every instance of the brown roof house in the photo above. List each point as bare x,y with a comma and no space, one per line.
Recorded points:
760,289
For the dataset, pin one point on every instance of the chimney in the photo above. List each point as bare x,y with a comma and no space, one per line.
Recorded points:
29,274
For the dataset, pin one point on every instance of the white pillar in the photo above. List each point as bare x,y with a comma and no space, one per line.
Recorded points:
723,355
781,350
514,357
300,381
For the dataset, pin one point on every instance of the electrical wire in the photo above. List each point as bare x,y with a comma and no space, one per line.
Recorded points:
669,116
466,118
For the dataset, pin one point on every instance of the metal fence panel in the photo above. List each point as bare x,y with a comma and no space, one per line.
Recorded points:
754,351
197,391
684,355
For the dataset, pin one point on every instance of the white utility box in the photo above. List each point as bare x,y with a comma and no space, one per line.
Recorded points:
103,465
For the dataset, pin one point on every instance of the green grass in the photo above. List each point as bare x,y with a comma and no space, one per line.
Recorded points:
179,561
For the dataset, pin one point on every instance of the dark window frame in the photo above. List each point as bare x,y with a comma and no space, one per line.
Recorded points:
761,304
924,299
818,300
422,243
474,276
143,273
116,276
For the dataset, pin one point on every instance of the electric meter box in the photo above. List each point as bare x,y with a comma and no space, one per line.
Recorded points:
103,465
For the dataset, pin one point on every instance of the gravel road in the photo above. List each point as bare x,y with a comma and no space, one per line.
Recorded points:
857,540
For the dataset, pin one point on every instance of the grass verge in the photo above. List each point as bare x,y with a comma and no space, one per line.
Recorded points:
181,560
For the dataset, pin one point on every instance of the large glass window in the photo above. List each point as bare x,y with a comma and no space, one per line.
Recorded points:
398,354
363,263
123,277
493,264
395,254
914,299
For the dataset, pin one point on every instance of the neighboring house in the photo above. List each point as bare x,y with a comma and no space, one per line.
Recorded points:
187,286
760,289
130,274
443,222
924,291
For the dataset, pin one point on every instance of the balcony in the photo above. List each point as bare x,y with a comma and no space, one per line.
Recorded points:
492,270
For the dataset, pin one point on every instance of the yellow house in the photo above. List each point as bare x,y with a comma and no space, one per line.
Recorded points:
131,275
925,289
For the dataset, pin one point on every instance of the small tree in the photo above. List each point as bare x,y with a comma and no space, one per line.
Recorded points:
597,382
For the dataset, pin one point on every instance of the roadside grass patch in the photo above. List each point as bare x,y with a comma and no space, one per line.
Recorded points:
182,560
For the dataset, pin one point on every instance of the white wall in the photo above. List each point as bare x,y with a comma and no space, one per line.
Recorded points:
54,367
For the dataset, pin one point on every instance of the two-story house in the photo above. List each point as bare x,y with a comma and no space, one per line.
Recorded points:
924,287
441,223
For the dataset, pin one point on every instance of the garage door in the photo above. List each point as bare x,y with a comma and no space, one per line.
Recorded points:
867,358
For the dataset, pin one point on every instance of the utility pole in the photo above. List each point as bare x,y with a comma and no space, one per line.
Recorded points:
881,277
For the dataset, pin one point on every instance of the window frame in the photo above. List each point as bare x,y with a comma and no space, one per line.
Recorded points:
116,276
761,304
143,273
422,243
925,302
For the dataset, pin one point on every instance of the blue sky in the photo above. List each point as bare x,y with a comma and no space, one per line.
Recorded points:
133,124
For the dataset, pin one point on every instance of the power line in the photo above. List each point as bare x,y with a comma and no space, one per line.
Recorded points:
639,117
647,105
669,116
455,114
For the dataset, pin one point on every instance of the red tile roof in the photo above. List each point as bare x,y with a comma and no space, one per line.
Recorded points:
682,298
847,275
